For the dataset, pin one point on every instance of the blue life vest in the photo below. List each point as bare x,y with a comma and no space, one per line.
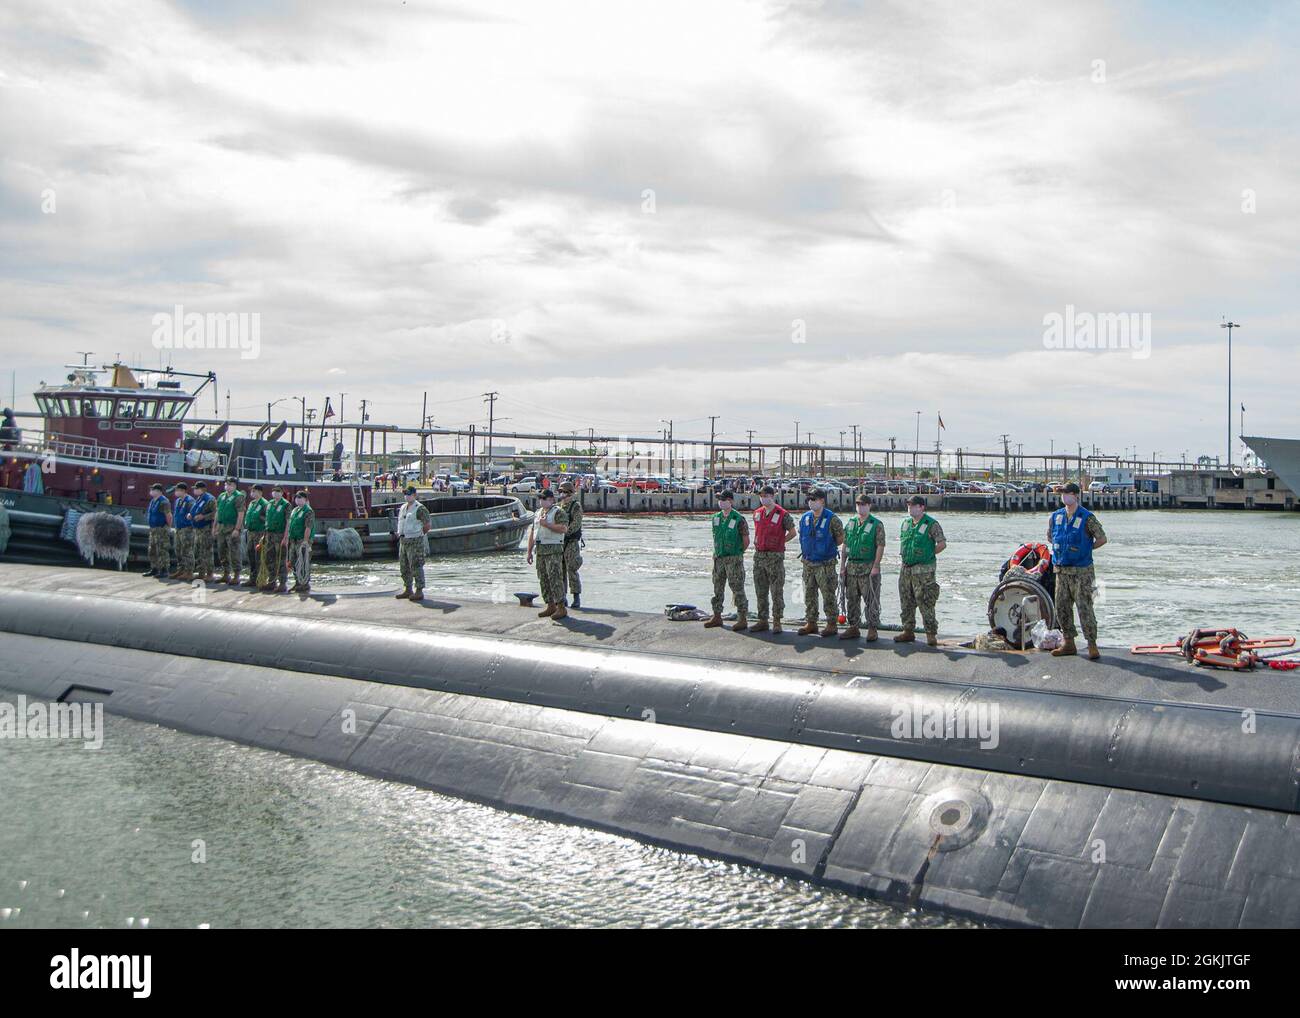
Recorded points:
815,538
157,518
1071,542
201,505
181,512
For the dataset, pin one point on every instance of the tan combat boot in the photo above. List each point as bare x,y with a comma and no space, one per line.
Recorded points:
906,636
808,629
871,634
1093,652
403,595
234,581
851,633
1067,649
776,626
225,578
759,627
713,622
932,639
741,625
560,611
550,610
831,629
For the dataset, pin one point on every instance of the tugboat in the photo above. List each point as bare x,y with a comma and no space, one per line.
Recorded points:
102,446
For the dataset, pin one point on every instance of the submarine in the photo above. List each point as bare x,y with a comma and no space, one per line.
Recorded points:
1012,788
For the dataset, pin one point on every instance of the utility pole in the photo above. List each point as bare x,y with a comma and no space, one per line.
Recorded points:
424,424
713,421
916,445
751,449
1229,326
361,441
1006,458
889,467
857,457
491,399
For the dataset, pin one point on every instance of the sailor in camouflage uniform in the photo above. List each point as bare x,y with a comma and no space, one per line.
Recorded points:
730,542
205,510
921,541
773,528
546,541
184,533
860,555
160,532
413,524
820,535
571,503
230,521
1075,533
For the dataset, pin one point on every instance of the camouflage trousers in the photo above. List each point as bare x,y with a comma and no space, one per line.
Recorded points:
550,572
410,559
229,555
202,551
160,549
819,578
769,580
918,588
1074,587
572,563
860,586
277,559
300,559
730,571
185,550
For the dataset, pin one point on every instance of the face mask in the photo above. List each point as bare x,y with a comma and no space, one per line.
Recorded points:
1069,500
816,506
916,511
300,501
864,511
277,494
767,500
725,506
410,498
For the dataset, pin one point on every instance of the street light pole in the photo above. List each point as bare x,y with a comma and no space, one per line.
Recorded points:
1229,326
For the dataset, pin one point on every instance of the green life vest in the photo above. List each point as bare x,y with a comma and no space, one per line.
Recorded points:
860,538
228,504
918,545
276,512
255,514
298,521
726,534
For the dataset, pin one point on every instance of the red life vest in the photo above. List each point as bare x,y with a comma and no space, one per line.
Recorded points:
769,529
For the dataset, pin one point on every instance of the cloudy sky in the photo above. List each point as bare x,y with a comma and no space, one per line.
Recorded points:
613,212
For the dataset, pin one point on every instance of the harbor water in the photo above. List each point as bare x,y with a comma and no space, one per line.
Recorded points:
181,830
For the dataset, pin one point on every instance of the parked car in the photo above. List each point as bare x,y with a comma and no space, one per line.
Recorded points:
525,486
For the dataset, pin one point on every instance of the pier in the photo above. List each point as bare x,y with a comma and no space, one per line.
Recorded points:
1122,792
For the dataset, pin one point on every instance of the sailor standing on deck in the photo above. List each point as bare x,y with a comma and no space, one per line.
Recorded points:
546,539
773,528
255,524
922,540
730,542
184,533
230,521
301,522
276,545
864,547
820,535
160,532
413,524
1074,532
203,513
572,506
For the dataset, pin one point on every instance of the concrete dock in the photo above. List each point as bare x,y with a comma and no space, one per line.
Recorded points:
1135,792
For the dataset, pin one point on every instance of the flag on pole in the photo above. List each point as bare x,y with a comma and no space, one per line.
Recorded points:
329,410
941,424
